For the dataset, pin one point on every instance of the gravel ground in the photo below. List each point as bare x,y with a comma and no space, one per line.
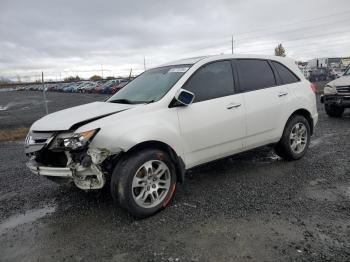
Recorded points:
249,207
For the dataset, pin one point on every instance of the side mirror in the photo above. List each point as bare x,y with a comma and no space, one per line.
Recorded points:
184,97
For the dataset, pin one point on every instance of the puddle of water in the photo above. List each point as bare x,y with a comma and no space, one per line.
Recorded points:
7,196
317,181
267,159
3,108
28,217
330,193
7,89
23,104
315,142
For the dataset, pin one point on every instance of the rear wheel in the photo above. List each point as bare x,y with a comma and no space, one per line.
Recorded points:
295,139
334,111
144,182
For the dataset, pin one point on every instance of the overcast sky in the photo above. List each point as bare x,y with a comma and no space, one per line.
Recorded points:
69,37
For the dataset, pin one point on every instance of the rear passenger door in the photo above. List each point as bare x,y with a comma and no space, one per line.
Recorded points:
213,125
263,100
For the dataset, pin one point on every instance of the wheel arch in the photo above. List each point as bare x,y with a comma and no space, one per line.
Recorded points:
154,144
305,113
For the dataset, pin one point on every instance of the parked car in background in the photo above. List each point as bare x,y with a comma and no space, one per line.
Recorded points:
115,88
87,87
107,86
172,118
336,95
319,74
335,73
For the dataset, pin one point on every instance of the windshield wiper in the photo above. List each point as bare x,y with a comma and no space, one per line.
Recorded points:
123,101
127,101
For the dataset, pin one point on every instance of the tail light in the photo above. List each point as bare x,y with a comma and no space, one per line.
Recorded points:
313,88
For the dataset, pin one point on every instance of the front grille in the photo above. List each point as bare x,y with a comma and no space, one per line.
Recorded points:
343,89
50,158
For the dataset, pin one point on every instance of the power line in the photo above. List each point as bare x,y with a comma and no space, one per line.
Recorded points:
295,23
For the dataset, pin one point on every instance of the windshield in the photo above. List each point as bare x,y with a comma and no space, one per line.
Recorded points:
150,86
347,72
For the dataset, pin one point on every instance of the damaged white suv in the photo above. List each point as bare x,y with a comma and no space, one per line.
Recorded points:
172,118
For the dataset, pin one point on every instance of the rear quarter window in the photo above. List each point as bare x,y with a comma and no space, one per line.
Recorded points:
254,74
286,75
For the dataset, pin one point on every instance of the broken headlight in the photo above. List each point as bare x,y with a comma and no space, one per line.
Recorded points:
79,140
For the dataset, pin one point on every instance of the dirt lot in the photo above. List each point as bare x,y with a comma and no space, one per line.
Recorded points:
249,207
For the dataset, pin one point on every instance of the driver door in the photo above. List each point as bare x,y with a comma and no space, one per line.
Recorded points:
213,126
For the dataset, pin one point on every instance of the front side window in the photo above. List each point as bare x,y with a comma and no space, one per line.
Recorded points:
211,81
286,75
254,74
150,86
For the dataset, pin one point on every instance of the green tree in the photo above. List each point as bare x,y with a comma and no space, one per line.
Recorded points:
95,78
280,51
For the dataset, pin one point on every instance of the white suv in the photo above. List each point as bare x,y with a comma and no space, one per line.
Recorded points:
172,118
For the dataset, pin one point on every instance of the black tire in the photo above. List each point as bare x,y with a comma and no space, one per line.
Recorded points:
334,111
284,148
123,175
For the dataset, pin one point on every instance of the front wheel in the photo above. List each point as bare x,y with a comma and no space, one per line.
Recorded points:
334,111
144,182
295,139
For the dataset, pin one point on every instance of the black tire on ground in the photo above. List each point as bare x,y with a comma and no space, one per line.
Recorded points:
334,111
283,148
123,175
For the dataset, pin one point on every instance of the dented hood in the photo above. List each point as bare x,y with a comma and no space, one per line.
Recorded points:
72,118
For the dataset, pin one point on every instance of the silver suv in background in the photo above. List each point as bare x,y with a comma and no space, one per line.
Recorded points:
336,95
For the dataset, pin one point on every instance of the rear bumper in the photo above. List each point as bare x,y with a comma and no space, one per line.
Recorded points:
338,100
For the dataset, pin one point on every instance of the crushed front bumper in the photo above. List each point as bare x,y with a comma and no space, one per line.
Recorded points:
83,177
37,169
336,99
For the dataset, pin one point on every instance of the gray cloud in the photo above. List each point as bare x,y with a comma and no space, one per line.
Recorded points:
71,36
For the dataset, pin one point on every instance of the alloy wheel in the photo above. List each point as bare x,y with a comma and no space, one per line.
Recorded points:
151,183
298,138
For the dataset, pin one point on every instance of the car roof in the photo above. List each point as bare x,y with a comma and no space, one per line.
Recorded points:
194,60
290,63
186,61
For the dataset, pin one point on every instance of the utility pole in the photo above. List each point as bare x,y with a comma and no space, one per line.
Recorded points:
232,44
130,74
102,70
144,63
44,93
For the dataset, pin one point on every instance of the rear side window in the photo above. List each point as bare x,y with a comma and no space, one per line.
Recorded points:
287,76
211,81
254,74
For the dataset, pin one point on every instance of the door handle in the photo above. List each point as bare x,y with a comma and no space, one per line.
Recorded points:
233,105
282,94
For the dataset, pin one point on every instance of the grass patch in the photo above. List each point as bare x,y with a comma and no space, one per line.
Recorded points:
13,134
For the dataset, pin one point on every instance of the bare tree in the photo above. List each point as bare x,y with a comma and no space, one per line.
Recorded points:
72,79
